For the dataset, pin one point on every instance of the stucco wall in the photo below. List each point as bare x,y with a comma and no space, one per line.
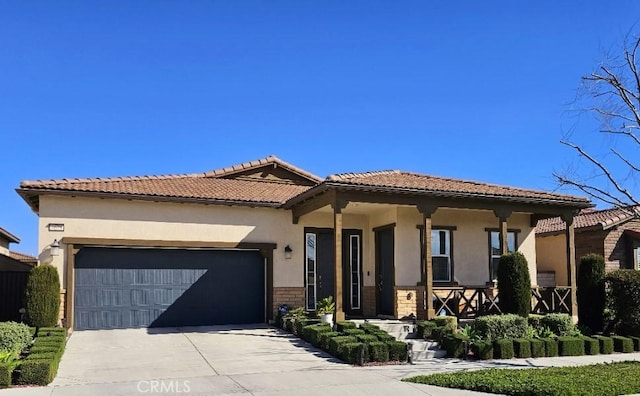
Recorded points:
551,255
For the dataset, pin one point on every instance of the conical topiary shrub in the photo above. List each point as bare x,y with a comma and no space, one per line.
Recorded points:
514,284
42,297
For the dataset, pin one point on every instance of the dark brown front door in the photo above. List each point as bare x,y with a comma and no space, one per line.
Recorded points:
384,270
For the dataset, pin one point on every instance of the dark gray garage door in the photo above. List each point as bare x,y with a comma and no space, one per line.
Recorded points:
126,287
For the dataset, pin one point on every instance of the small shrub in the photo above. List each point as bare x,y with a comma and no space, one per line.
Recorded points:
534,320
353,332
571,346
50,331
622,344
493,327
425,329
397,351
378,352
6,371
289,324
514,284
38,371
636,343
624,290
606,344
503,349
550,347
450,321
14,337
341,326
560,324
366,338
537,348
301,322
312,333
454,344
336,343
522,347
482,350
591,291
350,352
42,296
369,328
384,336
591,346
439,333
44,349
325,337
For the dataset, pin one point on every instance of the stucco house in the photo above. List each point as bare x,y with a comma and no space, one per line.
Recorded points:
14,271
612,233
233,244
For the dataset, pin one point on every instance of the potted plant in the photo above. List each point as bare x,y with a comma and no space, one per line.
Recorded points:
325,308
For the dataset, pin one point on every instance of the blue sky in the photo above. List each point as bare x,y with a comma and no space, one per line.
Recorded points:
467,89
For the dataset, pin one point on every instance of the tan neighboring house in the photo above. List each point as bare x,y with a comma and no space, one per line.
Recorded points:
12,260
14,271
612,233
232,245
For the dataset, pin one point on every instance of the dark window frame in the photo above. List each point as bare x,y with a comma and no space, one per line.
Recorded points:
489,230
451,229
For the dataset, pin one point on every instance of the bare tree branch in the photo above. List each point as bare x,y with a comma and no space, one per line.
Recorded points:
626,161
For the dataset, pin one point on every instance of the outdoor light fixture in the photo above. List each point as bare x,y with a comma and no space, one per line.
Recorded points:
287,252
54,248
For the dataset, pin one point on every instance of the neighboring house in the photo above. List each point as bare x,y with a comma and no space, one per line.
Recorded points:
14,270
612,233
232,245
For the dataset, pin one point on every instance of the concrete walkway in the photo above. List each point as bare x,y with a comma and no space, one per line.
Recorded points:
241,361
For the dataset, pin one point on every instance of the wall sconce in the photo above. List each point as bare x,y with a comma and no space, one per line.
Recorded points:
287,252
54,248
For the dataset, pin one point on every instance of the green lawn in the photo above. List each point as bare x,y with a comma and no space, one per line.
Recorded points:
621,378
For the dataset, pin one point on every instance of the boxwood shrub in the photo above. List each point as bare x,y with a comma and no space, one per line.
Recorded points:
503,348
42,296
341,326
522,347
38,371
397,351
378,351
493,327
383,336
454,344
624,288
425,329
622,344
591,291
514,284
325,338
591,346
550,347
50,331
537,347
350,352
367,338
606,344
335,344
14,337
560,324
449,321
482,350
353,332
6,371
312,333
571,346
440,332
369,328
636,343
301,323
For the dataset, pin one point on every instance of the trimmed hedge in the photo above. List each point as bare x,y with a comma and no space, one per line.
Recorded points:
449,321
571,346
514,284
336,343
378,351
51,331
482,350
591,346
353,332
493,327
38,371
6,370
397,351
591,294
312,333
425,329
369,328
537,347
606,344
560,324
550,346
42,296
454,345
624,291
636,343
622,344
350,352
341,326
383,336
522,347
325,338
14,337
440,332
366,338
503,349
301,323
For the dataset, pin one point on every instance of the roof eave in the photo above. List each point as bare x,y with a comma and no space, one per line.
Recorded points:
8,236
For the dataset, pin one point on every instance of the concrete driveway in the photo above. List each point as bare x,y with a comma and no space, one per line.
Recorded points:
217,360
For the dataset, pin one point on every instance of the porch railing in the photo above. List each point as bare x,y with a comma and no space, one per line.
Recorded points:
467,302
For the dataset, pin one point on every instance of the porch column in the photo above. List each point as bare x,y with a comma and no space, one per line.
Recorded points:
427,211
337,206
571,262
503,215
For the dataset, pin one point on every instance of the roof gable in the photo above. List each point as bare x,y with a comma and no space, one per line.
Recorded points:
589,220
271,169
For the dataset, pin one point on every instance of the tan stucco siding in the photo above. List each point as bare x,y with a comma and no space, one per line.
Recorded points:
550,251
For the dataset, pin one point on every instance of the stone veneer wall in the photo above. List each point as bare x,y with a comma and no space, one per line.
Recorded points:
292,296
409,300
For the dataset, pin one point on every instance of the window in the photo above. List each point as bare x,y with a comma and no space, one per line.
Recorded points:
354,264
495,250
441,252
310,267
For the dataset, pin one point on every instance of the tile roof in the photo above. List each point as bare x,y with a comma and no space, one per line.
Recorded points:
22,257
272,159
394,179
601,219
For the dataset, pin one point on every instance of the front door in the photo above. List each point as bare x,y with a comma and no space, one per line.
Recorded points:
320,269
385,270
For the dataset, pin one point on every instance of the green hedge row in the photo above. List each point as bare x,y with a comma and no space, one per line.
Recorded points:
41,364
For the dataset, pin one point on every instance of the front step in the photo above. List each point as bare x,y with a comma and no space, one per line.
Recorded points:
424,350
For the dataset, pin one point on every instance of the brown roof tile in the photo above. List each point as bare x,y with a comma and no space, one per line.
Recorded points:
394,179
272,159
8,236
601,219
25,258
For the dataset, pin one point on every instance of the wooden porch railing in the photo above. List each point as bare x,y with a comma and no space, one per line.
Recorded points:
467,302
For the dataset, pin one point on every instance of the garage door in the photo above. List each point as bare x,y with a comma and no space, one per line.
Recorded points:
126,287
